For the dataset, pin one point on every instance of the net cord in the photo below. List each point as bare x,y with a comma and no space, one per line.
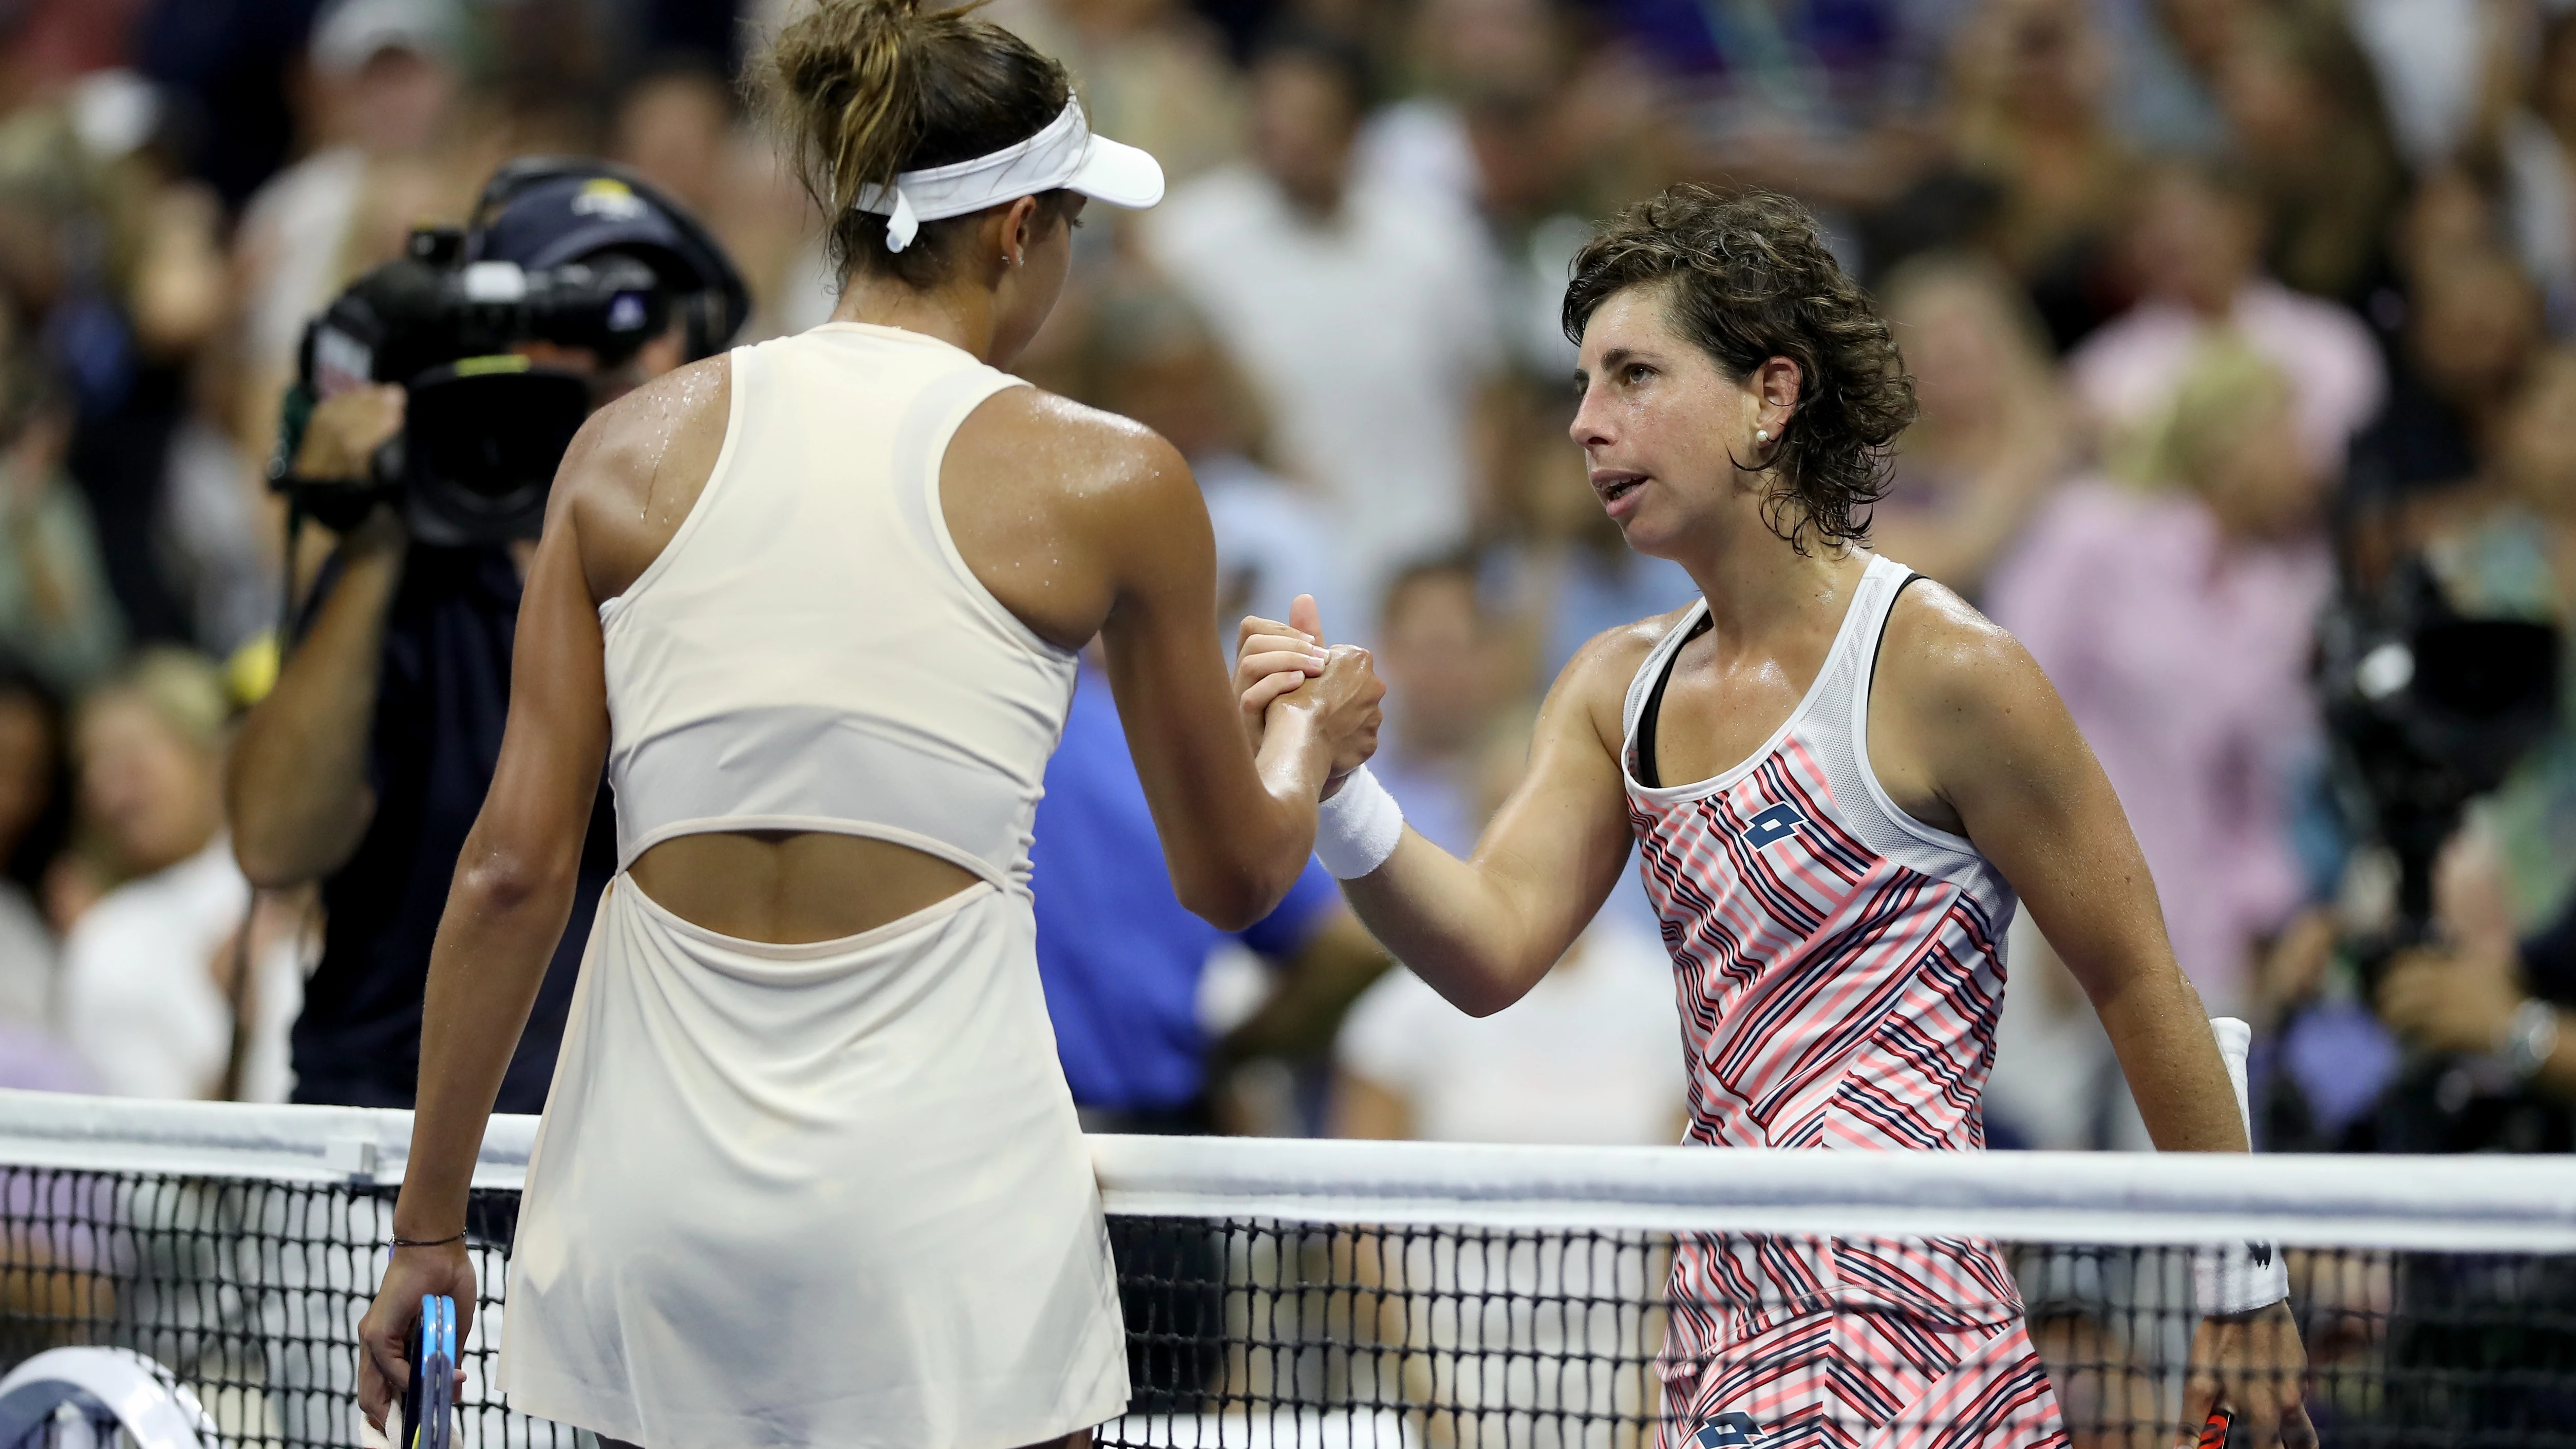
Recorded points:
2454,1204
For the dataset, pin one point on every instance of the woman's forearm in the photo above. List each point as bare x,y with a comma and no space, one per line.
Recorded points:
1452,924
2161,1031
1234,876
494,942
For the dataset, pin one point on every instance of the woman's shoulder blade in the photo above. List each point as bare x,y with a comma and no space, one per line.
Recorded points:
1080,448
636,472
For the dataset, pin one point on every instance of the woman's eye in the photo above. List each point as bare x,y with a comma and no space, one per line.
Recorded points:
1638,372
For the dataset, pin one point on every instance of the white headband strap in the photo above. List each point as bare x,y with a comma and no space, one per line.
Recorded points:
1041,163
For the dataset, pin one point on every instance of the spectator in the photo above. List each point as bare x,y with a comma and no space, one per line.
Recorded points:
385,78
1586,1057
1152,359
2437,64
1441,657
1994,435
149,971
675,125
2516,558
84,258
1353,309
2506,1001
1122,962
35,819
2027,115
2539,153
2177,625
1512,124
2472,324
2195,248
2306,111
55,610
1152,71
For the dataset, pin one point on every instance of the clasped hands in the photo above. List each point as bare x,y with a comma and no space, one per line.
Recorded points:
1274,664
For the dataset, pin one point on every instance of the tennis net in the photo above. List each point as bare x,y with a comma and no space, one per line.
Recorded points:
1333,1294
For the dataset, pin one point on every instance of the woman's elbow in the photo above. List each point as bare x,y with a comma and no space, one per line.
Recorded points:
496,881
1237,897
1227,904
1480,998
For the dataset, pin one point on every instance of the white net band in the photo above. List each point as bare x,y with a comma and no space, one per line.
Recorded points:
2454,1204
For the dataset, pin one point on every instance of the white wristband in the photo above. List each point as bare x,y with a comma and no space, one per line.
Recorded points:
2238,1277
1358,828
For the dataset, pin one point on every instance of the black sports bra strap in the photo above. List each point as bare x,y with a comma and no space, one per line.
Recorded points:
1881,641
1649,774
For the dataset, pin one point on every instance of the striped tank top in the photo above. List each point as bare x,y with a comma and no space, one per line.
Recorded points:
1840,968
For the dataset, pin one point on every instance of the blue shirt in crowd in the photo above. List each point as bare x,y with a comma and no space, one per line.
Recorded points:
1120,957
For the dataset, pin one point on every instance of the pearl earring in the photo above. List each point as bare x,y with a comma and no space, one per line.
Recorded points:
1761,435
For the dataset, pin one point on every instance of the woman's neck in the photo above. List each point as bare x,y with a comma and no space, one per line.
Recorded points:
1757,586
960,316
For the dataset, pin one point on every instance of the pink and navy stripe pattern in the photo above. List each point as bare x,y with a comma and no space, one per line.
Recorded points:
1834,995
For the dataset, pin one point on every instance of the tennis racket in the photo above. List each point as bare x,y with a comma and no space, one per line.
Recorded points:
2213,1435
429,1400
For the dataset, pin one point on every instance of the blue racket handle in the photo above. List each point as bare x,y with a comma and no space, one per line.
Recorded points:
435,1373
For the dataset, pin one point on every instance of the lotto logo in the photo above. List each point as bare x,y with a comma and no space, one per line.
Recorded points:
1731,1431
1772,825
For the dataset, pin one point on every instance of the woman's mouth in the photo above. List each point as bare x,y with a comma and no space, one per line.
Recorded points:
1618,491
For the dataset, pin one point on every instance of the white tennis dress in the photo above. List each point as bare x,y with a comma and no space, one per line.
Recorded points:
830,1194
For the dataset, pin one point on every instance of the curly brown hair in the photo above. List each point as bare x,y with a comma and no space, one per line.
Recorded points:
1748,278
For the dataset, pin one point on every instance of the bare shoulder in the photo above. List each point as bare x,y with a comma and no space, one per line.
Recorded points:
636,468
1596,680
638,430
1083,449
659,428
1942,661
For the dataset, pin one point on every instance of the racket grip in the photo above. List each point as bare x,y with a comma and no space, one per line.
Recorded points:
2213,1435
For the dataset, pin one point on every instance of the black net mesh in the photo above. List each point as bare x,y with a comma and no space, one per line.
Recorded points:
1257,1334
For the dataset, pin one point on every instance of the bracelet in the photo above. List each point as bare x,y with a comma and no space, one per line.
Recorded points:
1358,828
455,1237
2530,1038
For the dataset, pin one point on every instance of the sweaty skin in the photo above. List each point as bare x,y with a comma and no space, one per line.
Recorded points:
1965,734
1079,522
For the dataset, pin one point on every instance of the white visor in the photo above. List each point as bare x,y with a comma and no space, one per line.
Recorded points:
1065,155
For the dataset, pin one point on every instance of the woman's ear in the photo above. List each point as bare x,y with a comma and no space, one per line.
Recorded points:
1778,380
1019,230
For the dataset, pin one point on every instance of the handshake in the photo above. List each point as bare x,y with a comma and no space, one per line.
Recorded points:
1286,674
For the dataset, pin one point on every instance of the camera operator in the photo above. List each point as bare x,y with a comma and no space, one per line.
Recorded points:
366,765
2510,1006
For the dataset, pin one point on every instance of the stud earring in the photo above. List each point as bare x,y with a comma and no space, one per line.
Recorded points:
1761,435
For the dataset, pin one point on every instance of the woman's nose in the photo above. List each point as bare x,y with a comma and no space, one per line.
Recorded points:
1589,427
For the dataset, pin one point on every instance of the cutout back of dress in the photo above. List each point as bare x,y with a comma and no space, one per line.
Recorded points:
810,652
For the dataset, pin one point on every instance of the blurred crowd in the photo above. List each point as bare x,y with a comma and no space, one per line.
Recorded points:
2214,308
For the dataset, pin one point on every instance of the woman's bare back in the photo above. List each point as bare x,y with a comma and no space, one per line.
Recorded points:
1048,502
